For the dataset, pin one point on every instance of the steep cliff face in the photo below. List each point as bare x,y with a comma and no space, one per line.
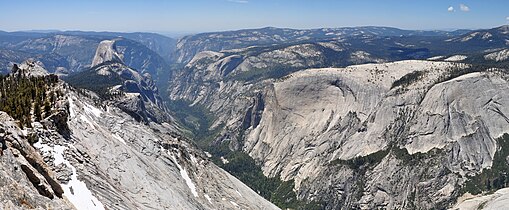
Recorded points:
327,117
407,134
209,70
129,165
106,52
136,92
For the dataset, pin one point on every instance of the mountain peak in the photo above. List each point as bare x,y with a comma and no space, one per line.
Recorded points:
31,67
106,51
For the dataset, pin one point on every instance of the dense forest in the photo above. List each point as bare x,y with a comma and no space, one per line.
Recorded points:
97,83
24,97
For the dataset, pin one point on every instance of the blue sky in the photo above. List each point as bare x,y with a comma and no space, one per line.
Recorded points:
214,15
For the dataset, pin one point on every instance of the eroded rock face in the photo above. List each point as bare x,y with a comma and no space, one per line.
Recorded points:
129,165
323,123
497,200
26,181
498,56
395,135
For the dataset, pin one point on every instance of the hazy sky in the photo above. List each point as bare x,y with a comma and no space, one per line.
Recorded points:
213,15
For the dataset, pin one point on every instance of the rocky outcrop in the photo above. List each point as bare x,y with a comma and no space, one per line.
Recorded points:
71,52
498,56
31,68
497,200
26,181
135,92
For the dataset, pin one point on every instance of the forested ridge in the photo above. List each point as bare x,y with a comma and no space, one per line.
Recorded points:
25,97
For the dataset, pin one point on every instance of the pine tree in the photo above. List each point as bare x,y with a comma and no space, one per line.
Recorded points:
37,111
47,108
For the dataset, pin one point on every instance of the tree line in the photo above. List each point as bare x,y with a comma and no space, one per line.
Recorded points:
25,97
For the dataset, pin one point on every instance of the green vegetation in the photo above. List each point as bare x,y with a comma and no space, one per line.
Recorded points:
359,162
244,167
408,79
20,95
246,170
90,80
261,74
197,119
495,178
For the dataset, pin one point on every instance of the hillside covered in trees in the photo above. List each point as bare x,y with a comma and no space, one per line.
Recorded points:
25,97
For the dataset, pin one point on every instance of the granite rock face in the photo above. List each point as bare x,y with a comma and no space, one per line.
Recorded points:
326,117
135,91
129,165
26,181
91,154
394,135
106,51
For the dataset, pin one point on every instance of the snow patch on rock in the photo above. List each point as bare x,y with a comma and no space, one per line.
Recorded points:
208,198
185,176
75,190
456,58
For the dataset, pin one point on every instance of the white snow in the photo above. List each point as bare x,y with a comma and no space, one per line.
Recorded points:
193,159
456,58
42,147
78,193
184,175
119,138
85,119
58,154
75,190
235,204
208,154
208,198
92,110
72,114
56,151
